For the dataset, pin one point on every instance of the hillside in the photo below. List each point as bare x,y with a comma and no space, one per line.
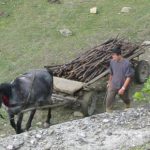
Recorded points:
30,37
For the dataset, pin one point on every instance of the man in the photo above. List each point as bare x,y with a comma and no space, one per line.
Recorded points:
121,73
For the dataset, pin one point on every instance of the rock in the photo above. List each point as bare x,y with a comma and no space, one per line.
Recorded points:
38,136
78,114
10,147
125,9
146,43
105,120
93,10
39,124
46,125
33,141
109,133
54,1
47,146
65,32
51,132
82,141
2,135
2,148
2,13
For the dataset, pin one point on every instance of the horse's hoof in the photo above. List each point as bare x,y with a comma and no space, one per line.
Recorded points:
20,131
46,125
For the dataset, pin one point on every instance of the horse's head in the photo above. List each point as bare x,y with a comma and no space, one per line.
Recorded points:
3,92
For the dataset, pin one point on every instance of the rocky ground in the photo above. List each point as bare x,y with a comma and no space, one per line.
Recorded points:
119,130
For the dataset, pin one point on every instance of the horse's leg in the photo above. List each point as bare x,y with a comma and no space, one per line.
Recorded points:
47,123
48,116
12,121
19,122
28,125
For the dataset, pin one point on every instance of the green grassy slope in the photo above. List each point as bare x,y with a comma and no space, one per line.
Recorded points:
30,38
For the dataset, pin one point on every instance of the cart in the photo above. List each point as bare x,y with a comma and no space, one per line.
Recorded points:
85,95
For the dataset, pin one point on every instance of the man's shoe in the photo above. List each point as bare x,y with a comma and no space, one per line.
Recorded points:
128,105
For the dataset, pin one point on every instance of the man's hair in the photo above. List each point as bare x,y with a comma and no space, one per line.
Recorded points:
116,50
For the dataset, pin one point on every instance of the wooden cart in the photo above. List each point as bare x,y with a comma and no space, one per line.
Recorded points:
86,94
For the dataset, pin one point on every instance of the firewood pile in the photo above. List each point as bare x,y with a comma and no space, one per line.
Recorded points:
95,61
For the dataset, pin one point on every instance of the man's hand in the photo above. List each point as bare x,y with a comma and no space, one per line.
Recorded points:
121,91
108,84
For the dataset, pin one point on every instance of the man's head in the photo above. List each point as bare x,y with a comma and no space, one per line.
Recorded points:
116,53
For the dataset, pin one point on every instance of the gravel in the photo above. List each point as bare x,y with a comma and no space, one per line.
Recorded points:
107,131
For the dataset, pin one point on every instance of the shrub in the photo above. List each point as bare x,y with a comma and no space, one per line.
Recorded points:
144,94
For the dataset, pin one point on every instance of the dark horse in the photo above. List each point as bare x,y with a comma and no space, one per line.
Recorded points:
32,89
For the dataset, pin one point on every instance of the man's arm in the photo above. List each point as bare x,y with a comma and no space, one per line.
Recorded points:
129,74
126,83
125,86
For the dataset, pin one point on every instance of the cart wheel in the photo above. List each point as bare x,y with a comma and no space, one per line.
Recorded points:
142,71
88,103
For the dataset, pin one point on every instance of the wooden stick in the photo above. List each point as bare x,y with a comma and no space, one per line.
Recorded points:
44,107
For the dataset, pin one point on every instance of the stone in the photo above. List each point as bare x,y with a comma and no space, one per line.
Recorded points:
105,120
51,132
93,10
46,125
146,43
2,148
38,136
66,32
2,13
10,147
2,135
33,141
109,133
78,114
125,9
54,1
47,146
39,123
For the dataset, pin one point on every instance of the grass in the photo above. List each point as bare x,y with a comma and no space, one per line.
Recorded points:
30,38
145,146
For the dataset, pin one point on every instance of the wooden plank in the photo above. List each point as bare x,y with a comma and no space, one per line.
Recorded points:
69,98
66,85
97,78
44,107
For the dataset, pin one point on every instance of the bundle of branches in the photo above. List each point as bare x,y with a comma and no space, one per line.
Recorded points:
93,62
